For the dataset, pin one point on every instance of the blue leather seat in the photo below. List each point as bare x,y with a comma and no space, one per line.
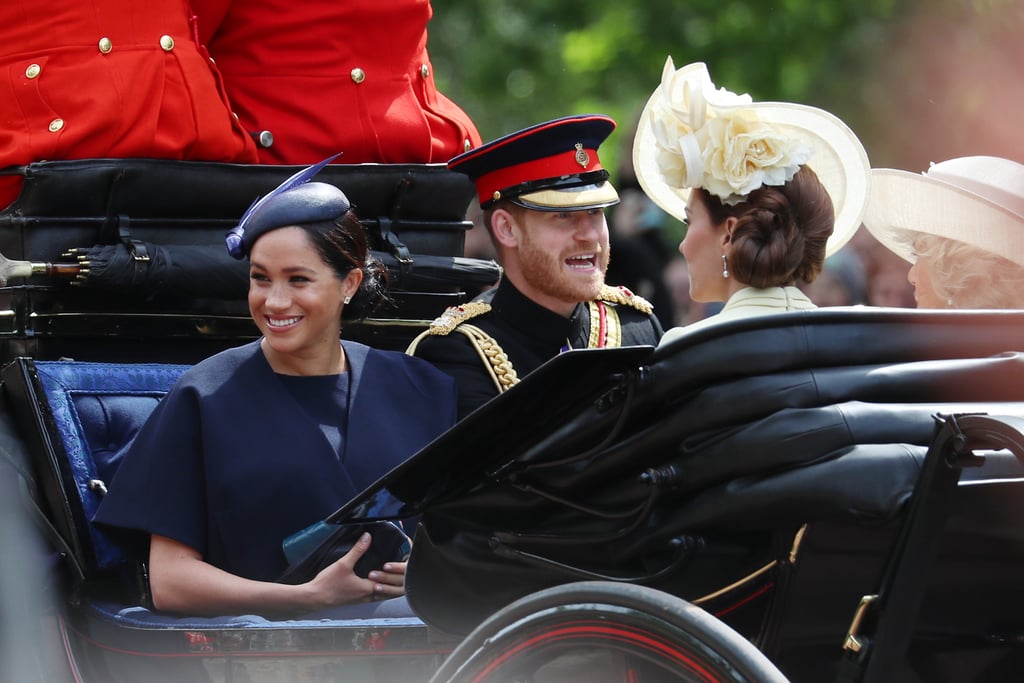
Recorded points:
76,418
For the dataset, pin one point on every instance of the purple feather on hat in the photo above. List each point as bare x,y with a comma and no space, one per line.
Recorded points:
237,233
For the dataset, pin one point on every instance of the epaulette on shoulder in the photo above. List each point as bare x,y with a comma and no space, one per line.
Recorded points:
454,316
622,295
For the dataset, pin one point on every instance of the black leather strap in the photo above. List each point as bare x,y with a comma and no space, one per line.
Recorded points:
883,638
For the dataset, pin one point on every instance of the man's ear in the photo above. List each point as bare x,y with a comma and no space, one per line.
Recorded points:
505,228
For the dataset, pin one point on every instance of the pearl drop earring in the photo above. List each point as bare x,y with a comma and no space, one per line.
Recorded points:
725,267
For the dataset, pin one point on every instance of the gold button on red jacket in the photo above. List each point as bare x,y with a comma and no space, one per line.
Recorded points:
109,78
329,76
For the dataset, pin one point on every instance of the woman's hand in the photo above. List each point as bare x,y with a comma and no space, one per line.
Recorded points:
338,584
389,580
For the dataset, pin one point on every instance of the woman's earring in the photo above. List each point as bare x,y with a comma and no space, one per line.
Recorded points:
725,267
347,299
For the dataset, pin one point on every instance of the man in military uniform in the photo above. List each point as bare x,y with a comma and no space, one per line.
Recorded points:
543,192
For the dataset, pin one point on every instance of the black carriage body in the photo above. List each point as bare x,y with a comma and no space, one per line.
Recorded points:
177,295
760,469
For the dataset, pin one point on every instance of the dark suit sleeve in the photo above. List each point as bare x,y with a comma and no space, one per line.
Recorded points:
640,329
454,354
657,330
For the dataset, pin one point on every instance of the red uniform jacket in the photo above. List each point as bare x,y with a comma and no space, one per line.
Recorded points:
109,78
328,76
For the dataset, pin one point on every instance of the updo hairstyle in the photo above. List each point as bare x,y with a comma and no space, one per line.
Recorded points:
781,231
343,246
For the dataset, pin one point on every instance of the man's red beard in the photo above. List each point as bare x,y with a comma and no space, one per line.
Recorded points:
548,274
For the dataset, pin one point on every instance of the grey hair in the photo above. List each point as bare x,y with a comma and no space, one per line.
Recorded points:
968,277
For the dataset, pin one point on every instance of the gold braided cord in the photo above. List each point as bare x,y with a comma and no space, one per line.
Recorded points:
448,321
414,344
621,295
499,367
493,356
454,316
594,340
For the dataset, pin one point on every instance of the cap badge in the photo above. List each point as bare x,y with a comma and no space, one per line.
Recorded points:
582,158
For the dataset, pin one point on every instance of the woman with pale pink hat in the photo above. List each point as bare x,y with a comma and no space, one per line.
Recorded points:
961,225
767,190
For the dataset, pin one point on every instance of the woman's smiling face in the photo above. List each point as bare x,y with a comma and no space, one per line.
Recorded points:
295,298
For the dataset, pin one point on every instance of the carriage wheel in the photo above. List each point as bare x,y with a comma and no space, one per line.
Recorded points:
598,631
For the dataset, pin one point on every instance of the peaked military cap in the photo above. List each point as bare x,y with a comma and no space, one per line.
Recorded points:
552,166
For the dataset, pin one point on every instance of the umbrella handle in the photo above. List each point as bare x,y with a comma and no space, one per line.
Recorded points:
67,270
19,269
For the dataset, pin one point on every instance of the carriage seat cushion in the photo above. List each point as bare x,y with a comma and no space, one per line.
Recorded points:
108,424
97,409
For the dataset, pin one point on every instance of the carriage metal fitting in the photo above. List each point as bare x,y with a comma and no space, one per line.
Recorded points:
665,475
853,642
798,539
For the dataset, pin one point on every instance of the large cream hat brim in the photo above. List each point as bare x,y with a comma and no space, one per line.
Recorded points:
904,204
838,159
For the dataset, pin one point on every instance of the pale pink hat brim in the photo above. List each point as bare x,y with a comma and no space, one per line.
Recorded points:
904,204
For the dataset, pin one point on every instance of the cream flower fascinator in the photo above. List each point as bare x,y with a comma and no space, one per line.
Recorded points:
692,134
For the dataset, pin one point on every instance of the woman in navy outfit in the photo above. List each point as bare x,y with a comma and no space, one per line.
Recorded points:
261,441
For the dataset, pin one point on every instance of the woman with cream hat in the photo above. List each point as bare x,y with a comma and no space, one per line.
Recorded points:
767,189
960,224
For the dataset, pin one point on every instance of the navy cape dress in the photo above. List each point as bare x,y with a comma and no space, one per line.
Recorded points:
230,464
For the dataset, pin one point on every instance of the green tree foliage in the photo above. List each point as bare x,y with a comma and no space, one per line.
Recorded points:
511,63
918,80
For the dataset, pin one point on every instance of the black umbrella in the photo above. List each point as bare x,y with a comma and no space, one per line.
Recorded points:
146,268
208,271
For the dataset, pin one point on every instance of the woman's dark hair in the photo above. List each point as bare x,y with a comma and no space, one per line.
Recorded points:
780,233
342,244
